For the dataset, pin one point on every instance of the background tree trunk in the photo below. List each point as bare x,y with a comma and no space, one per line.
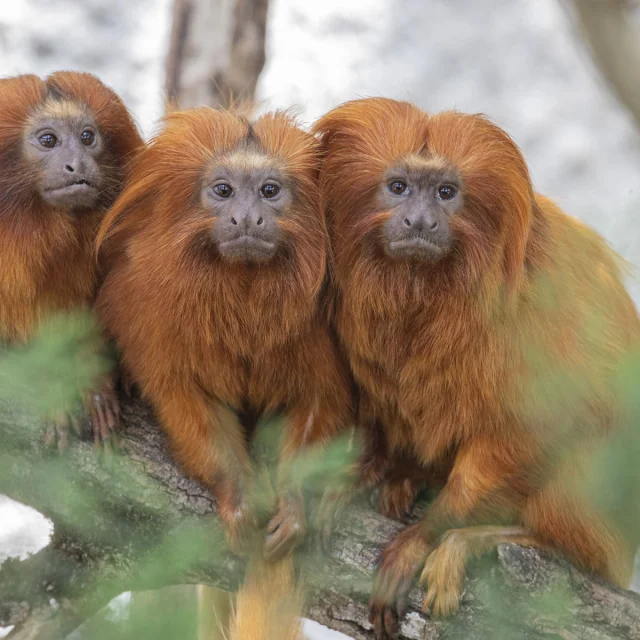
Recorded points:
216,51
612,37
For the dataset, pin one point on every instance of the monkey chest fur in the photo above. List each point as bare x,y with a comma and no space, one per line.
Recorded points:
44,268
430,388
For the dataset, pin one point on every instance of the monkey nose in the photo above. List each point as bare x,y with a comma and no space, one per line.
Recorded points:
419,223
247,221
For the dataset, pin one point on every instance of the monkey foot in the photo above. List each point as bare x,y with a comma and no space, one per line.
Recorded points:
286,529
58,429
442,577
396,498
399,563
104,412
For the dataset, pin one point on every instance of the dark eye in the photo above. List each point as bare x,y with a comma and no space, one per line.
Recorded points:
223,190
270,190
398,187
87,137
447,192
48,140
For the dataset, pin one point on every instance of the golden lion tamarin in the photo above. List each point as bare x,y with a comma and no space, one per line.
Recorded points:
64,144
485,329
215,298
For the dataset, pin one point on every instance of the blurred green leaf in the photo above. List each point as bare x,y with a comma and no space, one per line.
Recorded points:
53,372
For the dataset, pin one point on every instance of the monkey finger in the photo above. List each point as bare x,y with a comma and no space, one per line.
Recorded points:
113,418
97,420
328,514
50,438
377,617
95,428
112,427
377,620
391,622
283,535
106,434
75,425
62,432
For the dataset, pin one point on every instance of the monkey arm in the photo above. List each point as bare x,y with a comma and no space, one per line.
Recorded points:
323,410
480,484
208,441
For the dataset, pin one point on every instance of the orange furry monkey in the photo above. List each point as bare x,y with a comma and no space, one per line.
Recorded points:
64,144
484,328
219,250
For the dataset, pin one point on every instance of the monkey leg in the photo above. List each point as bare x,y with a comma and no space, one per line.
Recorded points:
376,460
209,442
444,570
563,519
478,485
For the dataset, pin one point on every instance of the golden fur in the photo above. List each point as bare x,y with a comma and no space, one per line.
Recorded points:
46,255
205,338
498,362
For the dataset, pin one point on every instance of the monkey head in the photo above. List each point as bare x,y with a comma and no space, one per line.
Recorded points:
246,193
419,195
450,192
63,145
66,141
226,194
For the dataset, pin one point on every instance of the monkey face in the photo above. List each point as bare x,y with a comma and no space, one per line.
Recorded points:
62,145
246,194
420,196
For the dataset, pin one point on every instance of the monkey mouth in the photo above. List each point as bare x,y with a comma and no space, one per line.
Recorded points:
77,194
416,247
76,185
248,248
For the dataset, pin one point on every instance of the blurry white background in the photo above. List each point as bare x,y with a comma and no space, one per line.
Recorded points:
518,61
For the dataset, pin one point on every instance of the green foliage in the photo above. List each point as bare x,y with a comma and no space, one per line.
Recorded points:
67,358
58,367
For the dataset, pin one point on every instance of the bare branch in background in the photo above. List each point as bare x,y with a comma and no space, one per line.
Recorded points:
216,51
613,38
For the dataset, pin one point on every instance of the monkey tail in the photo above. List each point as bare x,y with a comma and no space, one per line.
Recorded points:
269,603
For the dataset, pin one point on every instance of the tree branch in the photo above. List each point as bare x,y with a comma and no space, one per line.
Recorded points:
135,522
613,39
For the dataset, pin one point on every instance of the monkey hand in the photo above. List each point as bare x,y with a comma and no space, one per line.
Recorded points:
241,528
57,429
287,528
399,563
104,414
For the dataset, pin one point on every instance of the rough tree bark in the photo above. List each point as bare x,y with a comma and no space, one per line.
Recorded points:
145,502
216,51
613,39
